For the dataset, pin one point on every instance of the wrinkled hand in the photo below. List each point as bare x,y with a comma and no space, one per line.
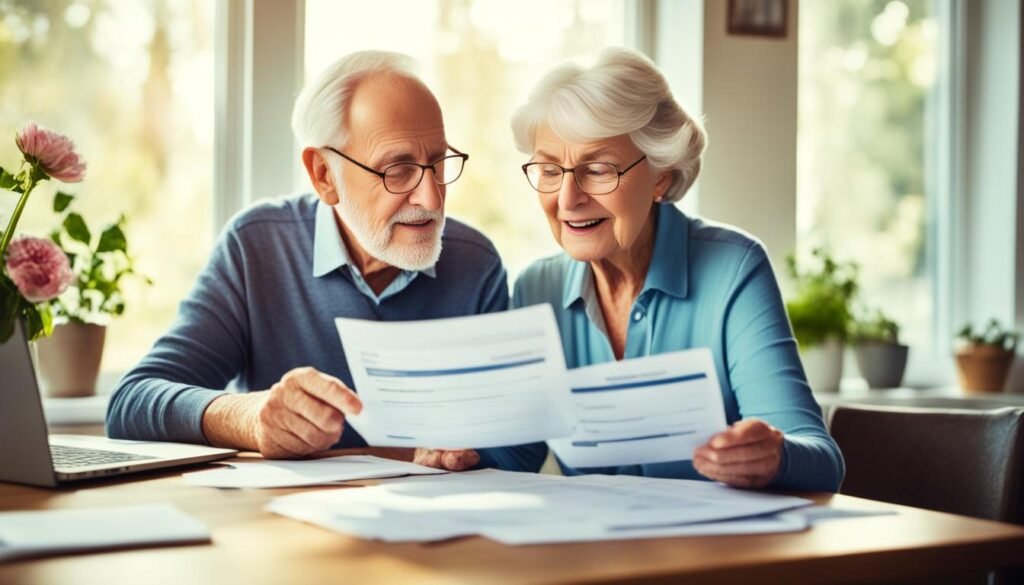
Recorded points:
303,413
747,454
450,459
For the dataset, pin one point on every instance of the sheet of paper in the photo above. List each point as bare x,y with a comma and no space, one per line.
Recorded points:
523,535
36,533
523,508
277,474
468,382
644,410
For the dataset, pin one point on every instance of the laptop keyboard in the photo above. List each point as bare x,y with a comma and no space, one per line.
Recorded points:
70,457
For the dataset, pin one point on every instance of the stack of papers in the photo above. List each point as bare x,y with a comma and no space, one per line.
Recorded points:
525,508
35,533
279,474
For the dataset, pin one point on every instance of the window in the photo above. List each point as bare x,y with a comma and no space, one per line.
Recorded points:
131,81
481,57
868,121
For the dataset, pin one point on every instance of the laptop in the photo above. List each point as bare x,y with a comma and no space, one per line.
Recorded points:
30,455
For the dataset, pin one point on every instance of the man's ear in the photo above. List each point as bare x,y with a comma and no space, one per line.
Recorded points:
320,175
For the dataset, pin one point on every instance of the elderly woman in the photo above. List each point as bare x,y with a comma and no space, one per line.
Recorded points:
611,151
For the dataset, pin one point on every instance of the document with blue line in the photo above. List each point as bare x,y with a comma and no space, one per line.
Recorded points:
645,410
466,382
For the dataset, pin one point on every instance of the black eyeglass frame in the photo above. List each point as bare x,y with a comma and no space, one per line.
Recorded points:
526,171
423,168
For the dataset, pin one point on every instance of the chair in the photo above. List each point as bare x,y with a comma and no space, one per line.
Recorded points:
968,462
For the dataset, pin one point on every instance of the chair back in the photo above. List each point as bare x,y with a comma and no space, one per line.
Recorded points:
966,462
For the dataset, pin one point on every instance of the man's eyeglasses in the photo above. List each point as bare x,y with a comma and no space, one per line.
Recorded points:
593,178
401,178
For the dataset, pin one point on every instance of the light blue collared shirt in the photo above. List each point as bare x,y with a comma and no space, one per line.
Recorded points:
330,254
707,286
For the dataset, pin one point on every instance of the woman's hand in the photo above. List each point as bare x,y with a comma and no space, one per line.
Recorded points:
450,459
746,455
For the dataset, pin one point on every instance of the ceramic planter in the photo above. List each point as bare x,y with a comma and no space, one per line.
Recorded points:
983,368
69,360
882,364
823,365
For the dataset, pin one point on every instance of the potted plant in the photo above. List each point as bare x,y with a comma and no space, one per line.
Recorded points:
984,356
820,316
69,360
881,357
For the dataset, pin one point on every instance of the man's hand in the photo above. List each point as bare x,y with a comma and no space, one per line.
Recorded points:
303,413
450,459
747,454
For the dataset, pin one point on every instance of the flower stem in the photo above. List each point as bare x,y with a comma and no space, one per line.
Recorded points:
9,232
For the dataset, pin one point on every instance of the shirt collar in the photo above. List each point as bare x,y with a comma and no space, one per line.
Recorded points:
667,273
329,251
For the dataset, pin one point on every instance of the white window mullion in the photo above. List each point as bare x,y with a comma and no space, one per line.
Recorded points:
259,70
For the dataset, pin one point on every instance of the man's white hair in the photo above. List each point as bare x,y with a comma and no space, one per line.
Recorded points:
622,93
318,118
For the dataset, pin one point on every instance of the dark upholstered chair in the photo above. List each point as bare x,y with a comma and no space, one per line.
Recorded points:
967,462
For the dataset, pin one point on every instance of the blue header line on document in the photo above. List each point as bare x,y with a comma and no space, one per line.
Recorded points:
386,373
627,439
631,385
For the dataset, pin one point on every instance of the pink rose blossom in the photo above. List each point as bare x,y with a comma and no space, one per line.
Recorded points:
53,151
39,268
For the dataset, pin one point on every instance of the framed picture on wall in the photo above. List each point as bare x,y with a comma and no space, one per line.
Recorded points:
763,18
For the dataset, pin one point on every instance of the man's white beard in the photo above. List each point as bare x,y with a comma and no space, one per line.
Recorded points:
418,256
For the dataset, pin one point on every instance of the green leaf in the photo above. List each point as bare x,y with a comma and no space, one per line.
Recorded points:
7,180
61,201
76,228
112,240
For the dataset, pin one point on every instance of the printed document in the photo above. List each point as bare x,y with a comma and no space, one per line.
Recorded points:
643,410
278,474
467,382
526,508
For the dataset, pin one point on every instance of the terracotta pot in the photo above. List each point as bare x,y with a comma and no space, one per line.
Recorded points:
69,360
983,368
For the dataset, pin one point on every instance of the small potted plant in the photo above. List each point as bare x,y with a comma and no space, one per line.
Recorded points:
984,356
881,357
69,360
820,316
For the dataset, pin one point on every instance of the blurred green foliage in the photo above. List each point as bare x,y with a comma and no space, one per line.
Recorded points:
821,308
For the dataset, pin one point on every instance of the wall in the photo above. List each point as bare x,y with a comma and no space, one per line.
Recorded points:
750,108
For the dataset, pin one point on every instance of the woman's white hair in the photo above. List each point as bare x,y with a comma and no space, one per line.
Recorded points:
319,113
622,93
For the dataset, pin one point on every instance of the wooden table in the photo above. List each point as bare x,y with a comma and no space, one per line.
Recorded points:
253,546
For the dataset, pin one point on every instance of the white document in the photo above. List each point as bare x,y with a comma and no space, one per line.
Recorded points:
278,474
523,508
469,382
770,524
643,410
35,533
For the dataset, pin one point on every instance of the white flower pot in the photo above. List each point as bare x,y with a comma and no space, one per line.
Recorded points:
823,365
69,360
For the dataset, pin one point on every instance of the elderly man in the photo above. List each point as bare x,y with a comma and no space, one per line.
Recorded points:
372,244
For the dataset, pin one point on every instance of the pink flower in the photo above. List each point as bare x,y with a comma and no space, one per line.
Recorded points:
39,268
52,151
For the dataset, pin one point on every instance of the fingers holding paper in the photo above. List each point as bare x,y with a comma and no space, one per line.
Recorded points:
747,454
303,413
450,459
